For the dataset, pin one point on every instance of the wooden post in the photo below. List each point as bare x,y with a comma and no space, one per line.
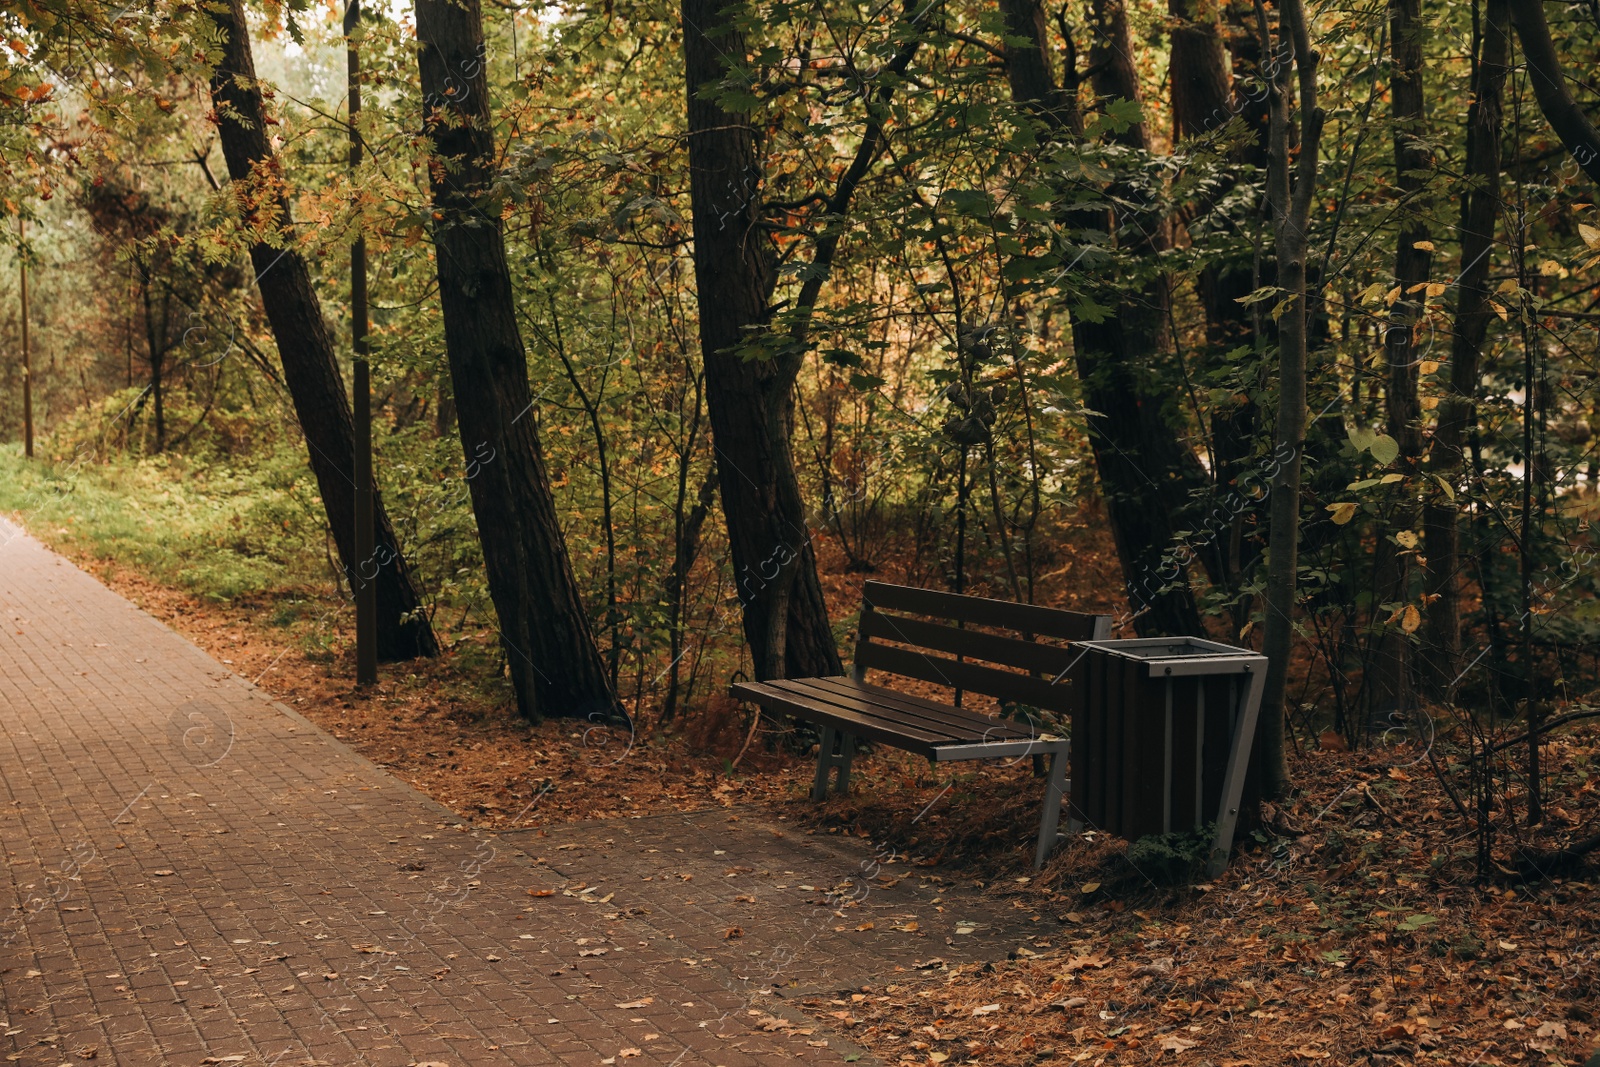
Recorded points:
364,580
27,357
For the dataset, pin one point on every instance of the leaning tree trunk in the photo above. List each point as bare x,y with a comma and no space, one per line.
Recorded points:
1389,676
305,346
1458,408
1576,130
750,402
1291,182
556,668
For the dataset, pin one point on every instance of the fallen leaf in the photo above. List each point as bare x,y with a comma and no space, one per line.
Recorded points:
1174,1043
987,1009
1097,961
643,1002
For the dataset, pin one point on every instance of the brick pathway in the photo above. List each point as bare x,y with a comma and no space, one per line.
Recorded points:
197,875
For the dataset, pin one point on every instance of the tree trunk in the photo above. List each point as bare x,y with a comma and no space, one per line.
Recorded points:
750,402
1389,676
1458,409
1291,213
305,345
1146,471
555,664
1575,129
1204,100
1138,456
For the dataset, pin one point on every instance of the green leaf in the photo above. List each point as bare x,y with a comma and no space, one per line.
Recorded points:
1384,449
973,203
866,382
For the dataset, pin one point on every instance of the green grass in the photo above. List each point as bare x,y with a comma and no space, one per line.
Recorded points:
220,532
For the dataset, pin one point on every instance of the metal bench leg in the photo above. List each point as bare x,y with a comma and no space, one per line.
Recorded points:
847,753
1051,815
819,787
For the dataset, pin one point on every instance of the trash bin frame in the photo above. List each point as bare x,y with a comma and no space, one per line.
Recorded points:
1217,660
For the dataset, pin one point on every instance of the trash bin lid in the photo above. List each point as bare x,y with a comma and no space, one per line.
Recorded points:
1182,655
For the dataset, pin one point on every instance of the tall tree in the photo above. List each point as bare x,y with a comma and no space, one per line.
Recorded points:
305,344
1291,181
1145,468
750,401
1576,130
1458,408
1390,674
556,668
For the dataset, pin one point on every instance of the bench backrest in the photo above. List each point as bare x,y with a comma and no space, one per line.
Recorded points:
912,632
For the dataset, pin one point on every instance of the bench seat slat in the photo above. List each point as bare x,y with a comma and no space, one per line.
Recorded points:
964,724
1029,618
1010,651
921,742
863,704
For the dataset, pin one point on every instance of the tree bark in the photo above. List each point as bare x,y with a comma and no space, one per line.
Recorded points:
556,668
750,402
1458,408
305,345
1389,684
1291,183
1575,129
1141,462
1204,99
1146,471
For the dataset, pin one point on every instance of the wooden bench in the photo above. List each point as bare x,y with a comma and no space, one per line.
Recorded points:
896,636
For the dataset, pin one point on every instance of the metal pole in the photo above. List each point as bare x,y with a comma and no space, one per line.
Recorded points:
27,356
366,589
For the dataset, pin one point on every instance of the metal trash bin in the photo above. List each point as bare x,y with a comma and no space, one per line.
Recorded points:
1161,740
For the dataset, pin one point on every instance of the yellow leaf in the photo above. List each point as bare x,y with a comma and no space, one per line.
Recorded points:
1430,366
1436,289
1419,285
1407,538
1410,619
1498,310
1429,403
1590,235
1342,512
1550,269
1425,246
1390,479
1507,286
1391,296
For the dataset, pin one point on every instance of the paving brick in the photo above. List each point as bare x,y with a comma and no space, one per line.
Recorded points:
124,749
